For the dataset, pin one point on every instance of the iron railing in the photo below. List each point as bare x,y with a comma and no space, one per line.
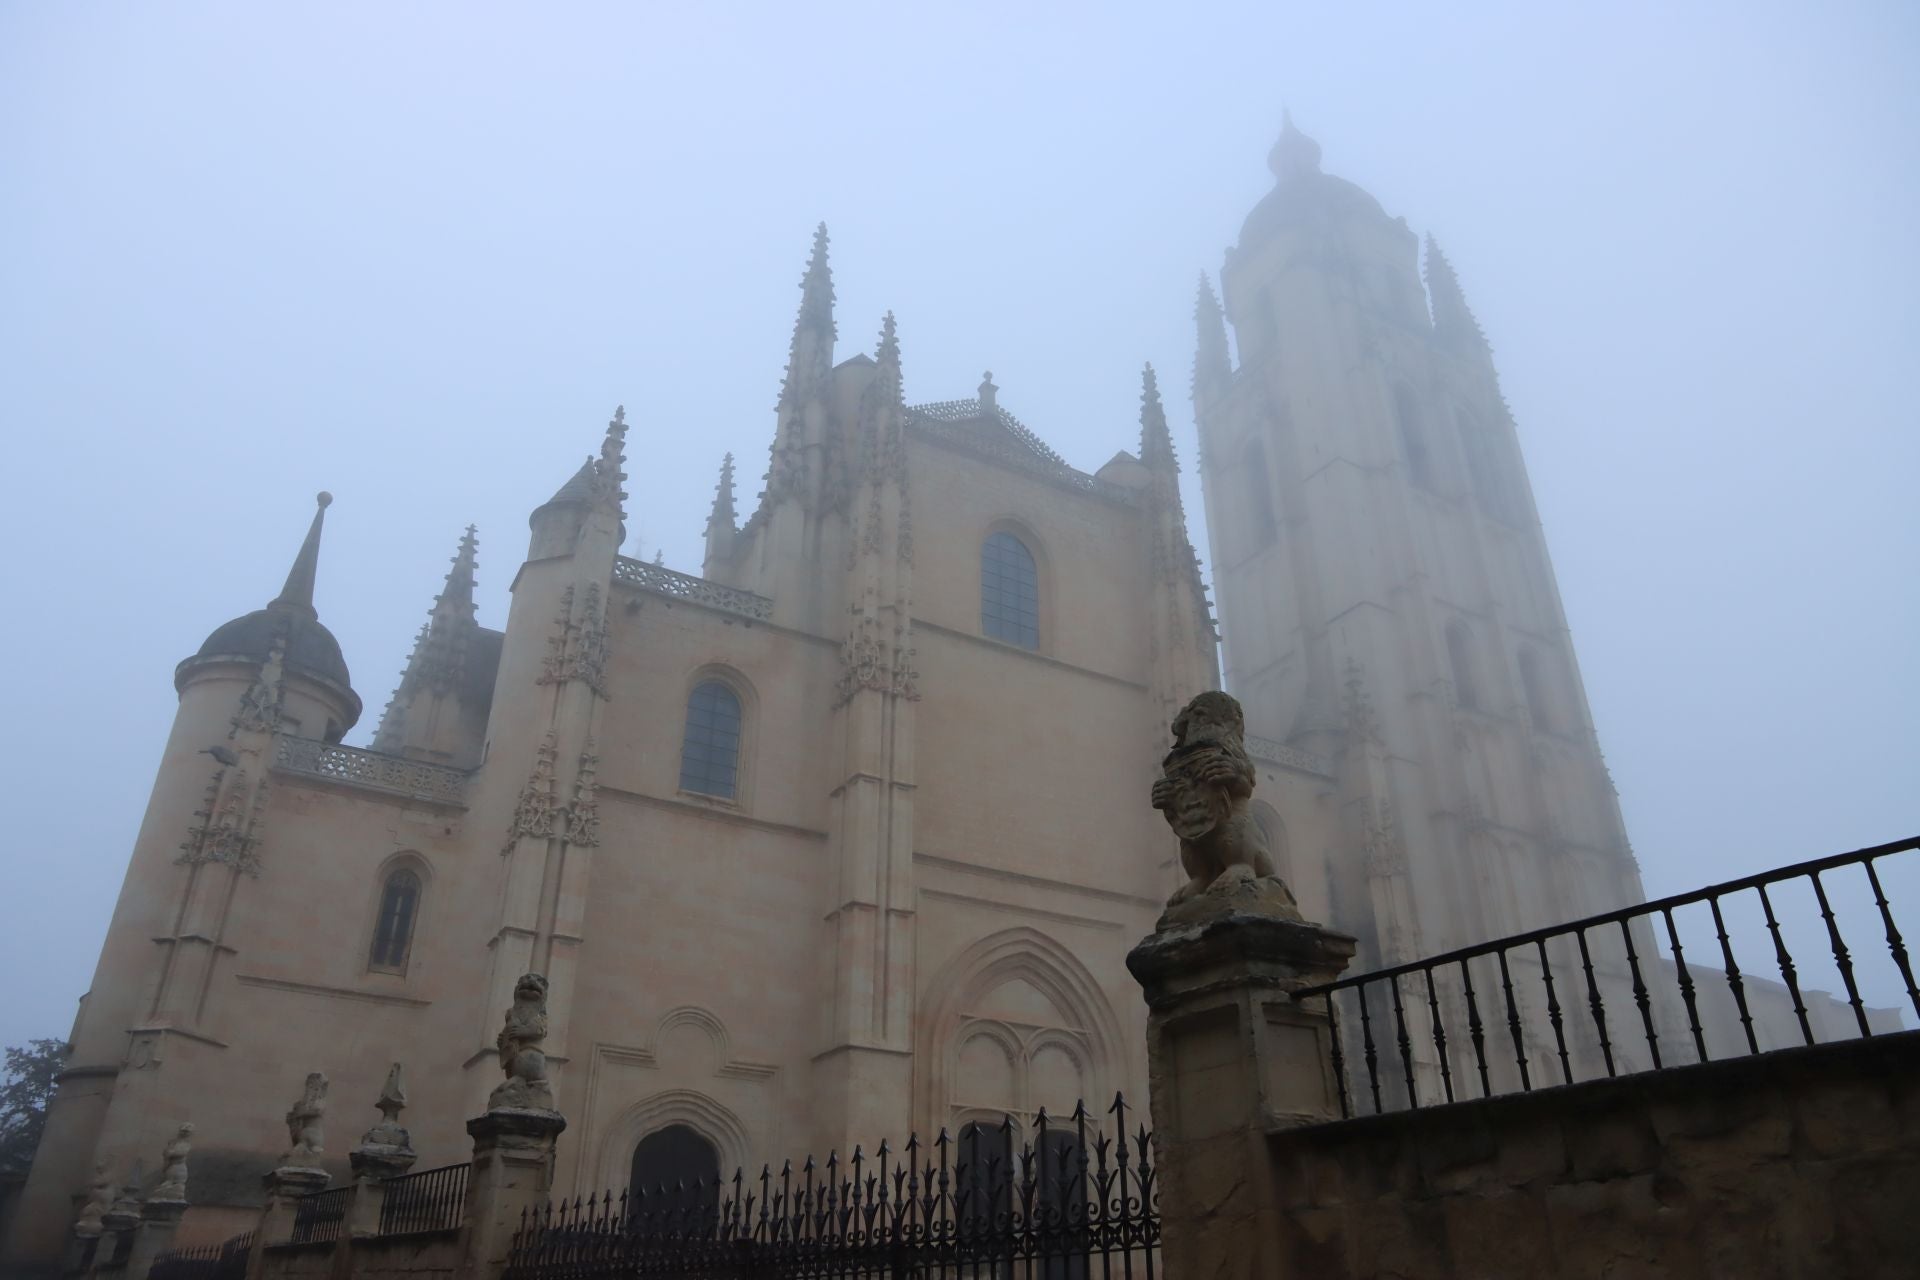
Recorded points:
320,1217
1411,1060
1067,1203
431,1200
208,1262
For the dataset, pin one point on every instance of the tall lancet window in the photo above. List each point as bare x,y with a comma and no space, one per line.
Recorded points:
1460,663
393,927
1257,486
710,751
1009,591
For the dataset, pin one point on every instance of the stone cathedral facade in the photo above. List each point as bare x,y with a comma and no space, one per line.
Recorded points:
847,834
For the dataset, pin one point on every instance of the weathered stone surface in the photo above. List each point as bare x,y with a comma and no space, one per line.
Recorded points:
1737,1168
1205,791
526,1087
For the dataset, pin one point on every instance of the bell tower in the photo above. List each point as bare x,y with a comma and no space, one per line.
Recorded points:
1384,588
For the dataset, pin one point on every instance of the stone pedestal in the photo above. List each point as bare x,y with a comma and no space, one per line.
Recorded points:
512,1175
284,1186
1230,1059
159,1219
372,1164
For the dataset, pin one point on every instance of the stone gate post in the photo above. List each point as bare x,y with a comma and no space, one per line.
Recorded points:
1230,1059
513,1143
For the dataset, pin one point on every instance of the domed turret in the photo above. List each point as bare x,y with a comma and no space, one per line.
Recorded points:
1301,191
289,624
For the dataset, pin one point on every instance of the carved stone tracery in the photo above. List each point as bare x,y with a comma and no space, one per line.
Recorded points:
536,812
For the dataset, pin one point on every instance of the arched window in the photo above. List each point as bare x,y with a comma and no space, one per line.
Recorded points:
1262,528
710,751
1413,439
1009,591
393,927
675,1178
1542,708
1466,686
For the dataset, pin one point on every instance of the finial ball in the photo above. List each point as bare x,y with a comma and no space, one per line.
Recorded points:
324,498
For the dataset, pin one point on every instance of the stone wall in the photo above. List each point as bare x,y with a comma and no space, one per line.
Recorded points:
427,1255
1804,1162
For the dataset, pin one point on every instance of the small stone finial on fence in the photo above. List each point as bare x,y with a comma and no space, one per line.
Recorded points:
173,1165
99,1199
1230,1056
303,1125
385,1151
521,1057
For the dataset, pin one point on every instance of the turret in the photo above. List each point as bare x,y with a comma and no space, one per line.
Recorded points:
320,701
1212,365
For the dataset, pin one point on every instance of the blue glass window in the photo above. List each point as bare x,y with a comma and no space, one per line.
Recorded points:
1009,592
710,753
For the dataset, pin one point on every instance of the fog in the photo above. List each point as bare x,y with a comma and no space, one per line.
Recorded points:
415,255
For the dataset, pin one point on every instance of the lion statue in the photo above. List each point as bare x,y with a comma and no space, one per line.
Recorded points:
303,1123
525,1065
1205,792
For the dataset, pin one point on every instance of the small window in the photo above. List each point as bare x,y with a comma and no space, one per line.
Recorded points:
1009,592
393,929
710,752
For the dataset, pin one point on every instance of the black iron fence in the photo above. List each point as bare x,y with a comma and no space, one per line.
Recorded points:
431,1200
1545,1008
1068,1202
208,1262
321,1216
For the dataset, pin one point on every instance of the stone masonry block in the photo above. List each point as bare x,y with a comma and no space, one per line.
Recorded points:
1499,1233
1611,1141
1843,1117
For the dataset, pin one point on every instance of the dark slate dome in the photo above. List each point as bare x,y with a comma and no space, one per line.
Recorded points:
310,649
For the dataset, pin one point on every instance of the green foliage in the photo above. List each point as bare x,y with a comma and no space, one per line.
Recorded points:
23,1100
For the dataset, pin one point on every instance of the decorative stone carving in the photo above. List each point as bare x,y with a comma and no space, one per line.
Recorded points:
536,812
173,1165
583,816
260,704
124,1213
228,821
386,1150
370,770
521,1058
684,586
91,1221
1205,793
577,647
303,1124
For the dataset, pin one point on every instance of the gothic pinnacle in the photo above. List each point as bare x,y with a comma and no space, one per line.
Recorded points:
1156,441
723,514
1212,366
887,354
810,356
607,473
1453,320
457,596
297,594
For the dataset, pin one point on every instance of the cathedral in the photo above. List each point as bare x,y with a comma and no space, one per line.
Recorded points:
847,834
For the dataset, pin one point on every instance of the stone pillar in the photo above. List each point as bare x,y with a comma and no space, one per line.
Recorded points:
511,1178
284,1186
159,1219
513,1143
1231,1059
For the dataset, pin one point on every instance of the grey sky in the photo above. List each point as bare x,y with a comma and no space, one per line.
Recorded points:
415,254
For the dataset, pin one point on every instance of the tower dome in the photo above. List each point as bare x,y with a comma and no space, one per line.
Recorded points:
1301,192
290,624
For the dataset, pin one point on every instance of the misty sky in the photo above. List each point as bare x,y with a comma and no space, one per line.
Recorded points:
414,254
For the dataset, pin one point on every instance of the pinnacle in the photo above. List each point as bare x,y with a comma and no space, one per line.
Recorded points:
1156,441
1212,366
297,593
1452,318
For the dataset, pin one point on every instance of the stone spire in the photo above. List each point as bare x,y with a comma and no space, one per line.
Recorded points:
1156,442
604,491
810,357
297,595
437,667
1453,321
1212,366
722,530
797,466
